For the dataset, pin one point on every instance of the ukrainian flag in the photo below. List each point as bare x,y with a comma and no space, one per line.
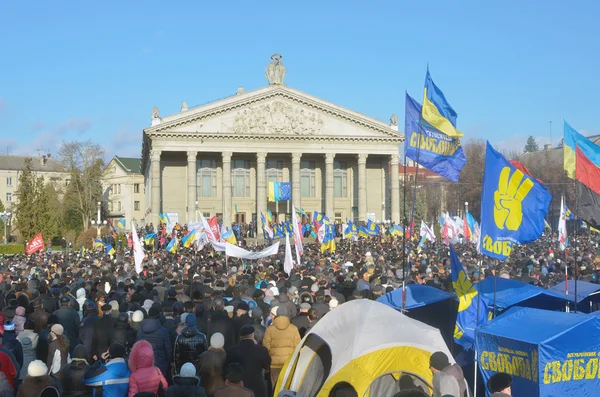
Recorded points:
328,243
188,239
396,231
279,191
121,223
437,111
149,238
568,213
467,319
109,249
173,244
593,229
351,230
229,236
547,225
235,209
320,218
163,217
270,216
99,243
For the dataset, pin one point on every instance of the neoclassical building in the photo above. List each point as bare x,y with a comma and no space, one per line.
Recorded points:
218,158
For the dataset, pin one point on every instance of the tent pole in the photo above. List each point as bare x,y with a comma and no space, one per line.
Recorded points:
575,292
476,361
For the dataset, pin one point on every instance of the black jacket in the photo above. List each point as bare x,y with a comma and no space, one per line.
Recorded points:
188,347
71,378
259,331
256,361
186,387
70,321
239,322
86,332
101,338
301,322
219,321
123,334
158,336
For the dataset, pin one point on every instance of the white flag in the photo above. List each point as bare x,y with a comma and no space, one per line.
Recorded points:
297,236
288,263
138,251
207,229
562,225
427,232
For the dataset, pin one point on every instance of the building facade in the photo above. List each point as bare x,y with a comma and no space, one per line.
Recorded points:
218,158
123,190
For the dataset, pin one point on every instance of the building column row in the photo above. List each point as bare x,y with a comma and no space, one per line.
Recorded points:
155,183
191,186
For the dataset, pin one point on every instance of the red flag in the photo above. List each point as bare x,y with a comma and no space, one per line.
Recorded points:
586,171
214,226
466,228
521,167
36,244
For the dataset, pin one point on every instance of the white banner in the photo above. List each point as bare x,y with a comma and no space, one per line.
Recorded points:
138,251
237,252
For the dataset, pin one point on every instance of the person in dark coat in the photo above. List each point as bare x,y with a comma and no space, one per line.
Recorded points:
189,345
218,321
101,331
37,379
49,302
11,343
242,318
254,359
71,376
39,316
257,321
11,309
41,350
259,298
211,365
301,321
123,333
158,336
186,384
69,319
86,331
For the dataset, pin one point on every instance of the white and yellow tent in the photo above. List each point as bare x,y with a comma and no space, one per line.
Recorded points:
362,345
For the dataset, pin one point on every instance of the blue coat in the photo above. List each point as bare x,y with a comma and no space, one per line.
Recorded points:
158,336
112,377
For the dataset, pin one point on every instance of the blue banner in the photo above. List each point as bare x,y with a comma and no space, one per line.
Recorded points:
513,206
429,147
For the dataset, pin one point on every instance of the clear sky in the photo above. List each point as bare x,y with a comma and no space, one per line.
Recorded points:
94,70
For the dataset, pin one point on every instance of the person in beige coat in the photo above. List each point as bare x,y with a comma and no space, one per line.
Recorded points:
281,339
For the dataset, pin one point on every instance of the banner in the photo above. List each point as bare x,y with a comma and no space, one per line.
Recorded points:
138,251
36,244
288,263
238,252
513,206
214,227
429,147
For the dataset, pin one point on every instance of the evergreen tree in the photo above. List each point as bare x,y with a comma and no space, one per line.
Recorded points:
531,145
1,222
25,208
46,201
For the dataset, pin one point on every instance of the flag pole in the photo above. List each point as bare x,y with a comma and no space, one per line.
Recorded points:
495,278
404,257
476,360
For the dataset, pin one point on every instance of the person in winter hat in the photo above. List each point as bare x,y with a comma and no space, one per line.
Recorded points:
443,383
37,379
11,344
136,320
211,364
29,332
58,349
144,375
28,356
19,320
110,373
186,383
158,336
71,376
500,385
189,345
439,363
281,339
234,386
254,359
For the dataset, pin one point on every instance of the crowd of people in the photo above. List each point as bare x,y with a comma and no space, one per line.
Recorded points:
194,323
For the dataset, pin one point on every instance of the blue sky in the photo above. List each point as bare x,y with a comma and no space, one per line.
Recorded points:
94,70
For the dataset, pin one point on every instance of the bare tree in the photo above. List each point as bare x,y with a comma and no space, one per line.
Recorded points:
85,162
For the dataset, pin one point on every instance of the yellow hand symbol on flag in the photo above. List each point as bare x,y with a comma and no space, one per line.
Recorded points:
464,291
509,197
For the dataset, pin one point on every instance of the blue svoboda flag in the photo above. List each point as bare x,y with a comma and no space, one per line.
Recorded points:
467,318
513,206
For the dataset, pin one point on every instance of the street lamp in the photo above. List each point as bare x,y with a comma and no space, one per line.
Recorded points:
98,222
196,210
466,207
5,216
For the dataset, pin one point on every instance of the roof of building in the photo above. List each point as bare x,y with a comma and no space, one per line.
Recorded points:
553,154
17,163
129,164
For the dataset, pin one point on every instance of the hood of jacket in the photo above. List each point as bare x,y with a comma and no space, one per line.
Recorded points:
81,293
281,322
142,356
150,325
189,331
186,381
283,298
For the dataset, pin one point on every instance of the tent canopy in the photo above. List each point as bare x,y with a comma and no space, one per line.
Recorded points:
584,289
358,343
512,293
416,296
547,353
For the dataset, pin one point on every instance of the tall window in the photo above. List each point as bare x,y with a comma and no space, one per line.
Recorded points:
340,179
274,170
206,178
307,178
136,187
240,173
9,181
136,205
8,197
119,206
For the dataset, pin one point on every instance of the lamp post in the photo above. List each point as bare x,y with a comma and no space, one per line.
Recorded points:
5,216
196,210
98,222
466,207
382,211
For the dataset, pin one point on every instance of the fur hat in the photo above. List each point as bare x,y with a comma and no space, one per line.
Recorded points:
137,316
188,370
37,368
217,341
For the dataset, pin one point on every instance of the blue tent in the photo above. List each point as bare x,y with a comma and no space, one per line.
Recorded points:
429,305
547,353
515,293
587,294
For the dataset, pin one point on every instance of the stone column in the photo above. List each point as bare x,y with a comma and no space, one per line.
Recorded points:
395,188
155,206
296,200
227,206
261,188
191,186
329,209
362,187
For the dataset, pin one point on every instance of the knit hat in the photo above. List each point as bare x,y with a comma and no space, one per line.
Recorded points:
188,370
114,305
9,326
116,350
246,330
274,310
499,382
190,320
80,352
305,306
217,341
153,312
37,368
439,361
137,316
333,303
20,311
256,313
235,373
56,328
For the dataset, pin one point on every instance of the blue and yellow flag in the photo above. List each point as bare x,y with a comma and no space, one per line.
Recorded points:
189,238
396,231
229,236
99,243
149,238
370,229
173,244
328,243
109,249
320,218
301,211
513,206
570,215
437,111
235,209
279,191
278,231
351,230
467,318
121,223
431,148
270,216
163,217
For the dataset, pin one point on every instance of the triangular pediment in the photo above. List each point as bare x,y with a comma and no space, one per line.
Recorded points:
274,111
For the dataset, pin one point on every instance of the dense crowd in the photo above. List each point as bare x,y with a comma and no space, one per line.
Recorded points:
195,323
